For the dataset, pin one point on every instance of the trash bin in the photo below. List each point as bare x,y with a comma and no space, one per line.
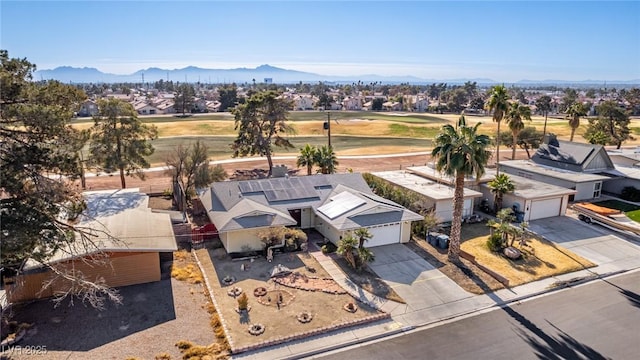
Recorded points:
443,241
433,238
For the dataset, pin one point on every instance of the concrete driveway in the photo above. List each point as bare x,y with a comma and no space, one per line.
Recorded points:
600,245
420,284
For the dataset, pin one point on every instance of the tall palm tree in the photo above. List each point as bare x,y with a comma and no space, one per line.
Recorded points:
574,112
307,158
498,102
515,116
326,159
543,103
499,186
460,151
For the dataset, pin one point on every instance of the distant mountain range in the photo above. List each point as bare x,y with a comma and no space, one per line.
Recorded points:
194,74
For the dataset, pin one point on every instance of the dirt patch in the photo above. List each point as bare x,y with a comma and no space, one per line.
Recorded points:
469,277
161,203
541,259
281,323
152,318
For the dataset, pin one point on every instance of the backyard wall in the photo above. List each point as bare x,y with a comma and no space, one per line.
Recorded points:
123,268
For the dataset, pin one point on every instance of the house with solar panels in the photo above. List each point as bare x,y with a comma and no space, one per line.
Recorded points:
332,204
584,168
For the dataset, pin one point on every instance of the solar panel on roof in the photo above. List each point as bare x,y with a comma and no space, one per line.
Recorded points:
244,186
340,204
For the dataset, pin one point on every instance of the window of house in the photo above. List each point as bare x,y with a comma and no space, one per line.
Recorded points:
597,187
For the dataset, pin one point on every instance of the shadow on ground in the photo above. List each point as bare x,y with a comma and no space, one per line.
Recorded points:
82,328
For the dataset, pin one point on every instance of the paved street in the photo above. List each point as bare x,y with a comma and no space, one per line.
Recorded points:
596,321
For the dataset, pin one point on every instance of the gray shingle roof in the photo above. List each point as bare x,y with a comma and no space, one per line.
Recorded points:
229,203
572,156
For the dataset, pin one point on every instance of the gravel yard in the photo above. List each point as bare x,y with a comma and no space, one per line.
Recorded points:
152,318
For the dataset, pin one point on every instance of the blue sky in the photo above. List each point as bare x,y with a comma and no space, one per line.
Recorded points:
502,40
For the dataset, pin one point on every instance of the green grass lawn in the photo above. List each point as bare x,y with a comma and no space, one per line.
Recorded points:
632,211
301,116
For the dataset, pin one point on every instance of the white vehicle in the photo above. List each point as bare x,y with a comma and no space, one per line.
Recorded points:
610,218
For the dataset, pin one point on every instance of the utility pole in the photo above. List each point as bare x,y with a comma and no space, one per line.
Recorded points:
327,126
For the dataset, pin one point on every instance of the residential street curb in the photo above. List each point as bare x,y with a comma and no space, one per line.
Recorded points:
408,329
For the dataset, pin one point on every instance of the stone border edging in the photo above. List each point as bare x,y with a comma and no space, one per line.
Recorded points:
304,334
223,322
282,339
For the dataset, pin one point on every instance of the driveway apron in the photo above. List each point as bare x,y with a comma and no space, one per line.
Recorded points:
420,284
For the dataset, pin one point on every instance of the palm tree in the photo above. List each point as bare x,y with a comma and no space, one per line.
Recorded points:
307,157
498,102
515,116
346,246
326,159
543,103
362,234
365,256
460,151
499,186
574,112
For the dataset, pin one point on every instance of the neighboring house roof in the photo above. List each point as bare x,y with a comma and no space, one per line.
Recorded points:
573,156
235,205
630,172
632,156
531,189
119,221
430,172
421,185
530,166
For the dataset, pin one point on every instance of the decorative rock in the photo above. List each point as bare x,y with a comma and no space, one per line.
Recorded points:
234,291
260,291
304,317
350,307
256,329
512,253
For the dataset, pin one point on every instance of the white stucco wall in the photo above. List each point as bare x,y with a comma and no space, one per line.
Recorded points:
233,241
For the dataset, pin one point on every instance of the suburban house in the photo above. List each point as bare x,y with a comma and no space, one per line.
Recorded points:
88,108
332,204
576,166
123,228
437,195
421,105
535,199
392,106
352,103
146,109
532,199
302,102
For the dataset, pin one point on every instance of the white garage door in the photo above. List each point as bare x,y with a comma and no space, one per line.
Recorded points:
541,209
384,235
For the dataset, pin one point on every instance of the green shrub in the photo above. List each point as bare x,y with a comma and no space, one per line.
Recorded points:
328,248
494,243
630,193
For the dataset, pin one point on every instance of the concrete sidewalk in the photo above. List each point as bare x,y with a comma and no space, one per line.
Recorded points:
432,297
